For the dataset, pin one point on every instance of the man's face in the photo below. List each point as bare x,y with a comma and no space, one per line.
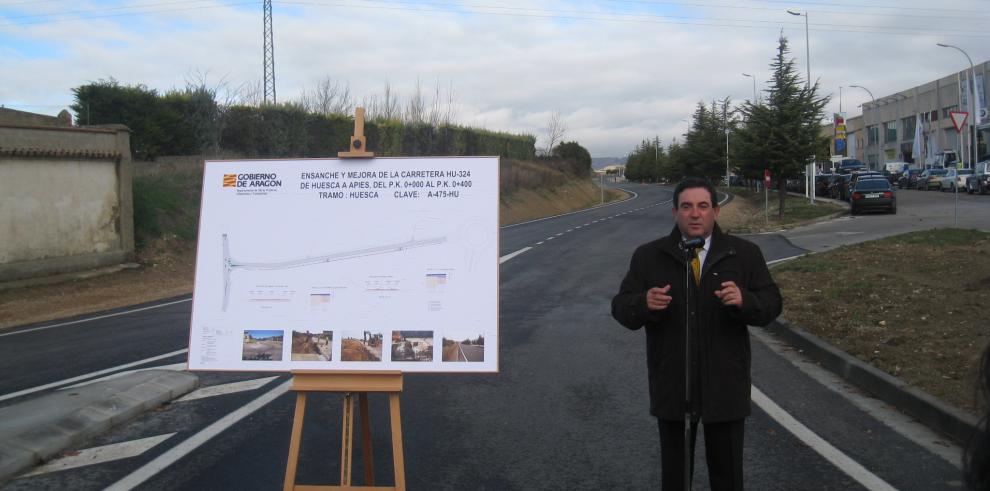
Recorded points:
695,214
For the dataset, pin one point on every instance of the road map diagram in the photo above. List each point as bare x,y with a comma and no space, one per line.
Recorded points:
347,264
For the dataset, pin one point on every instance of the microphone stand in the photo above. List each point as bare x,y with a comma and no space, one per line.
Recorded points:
688,253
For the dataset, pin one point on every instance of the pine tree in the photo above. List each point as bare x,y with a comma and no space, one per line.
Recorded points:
784,133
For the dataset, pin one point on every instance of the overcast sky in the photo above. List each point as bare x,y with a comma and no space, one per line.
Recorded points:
617,71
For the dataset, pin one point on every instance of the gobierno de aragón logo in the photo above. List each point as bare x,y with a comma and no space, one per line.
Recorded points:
252,181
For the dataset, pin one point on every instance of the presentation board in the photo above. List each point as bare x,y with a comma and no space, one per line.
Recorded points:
347,264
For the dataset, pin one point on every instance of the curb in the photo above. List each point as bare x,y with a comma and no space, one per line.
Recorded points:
38,429
924,407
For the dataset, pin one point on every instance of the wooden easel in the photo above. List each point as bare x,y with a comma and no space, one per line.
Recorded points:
305,381
349,382
358,143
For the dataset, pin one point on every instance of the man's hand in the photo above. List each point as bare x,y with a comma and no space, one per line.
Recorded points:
730,294
657,298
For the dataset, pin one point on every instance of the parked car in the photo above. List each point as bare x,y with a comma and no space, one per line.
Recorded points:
979,180
930,179
847,166
908,179
954,179
872,194
838,188
822,182
866,174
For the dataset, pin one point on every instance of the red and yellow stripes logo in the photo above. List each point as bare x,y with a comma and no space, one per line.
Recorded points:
230,180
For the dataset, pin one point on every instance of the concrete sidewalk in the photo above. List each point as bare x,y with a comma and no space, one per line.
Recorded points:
38,429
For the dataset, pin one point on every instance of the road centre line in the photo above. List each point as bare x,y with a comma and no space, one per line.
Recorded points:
96,318
835,456
512,255
179,451
101,454
90,375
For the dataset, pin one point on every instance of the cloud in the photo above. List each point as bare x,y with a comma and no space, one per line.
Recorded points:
618,72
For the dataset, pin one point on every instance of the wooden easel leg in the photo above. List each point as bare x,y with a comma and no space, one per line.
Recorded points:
367,455
398,461
346,440
294,441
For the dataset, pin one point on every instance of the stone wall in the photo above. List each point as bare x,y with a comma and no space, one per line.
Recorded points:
65,197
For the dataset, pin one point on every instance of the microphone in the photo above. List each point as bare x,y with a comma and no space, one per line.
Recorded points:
692,244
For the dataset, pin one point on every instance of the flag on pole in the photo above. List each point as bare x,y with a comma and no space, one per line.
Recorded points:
916,148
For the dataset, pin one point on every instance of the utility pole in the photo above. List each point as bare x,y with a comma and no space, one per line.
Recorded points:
269,54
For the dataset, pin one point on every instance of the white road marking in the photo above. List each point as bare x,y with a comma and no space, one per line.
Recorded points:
539,243
550,238
569,230
512,255
99,455
95,318
775,261
179,451
558,235
90,375
224,389
178,367
895,420
840,460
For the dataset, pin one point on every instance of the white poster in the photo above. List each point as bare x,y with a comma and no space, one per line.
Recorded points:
354,264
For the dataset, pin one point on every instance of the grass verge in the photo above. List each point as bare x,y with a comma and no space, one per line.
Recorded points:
911,305
747,212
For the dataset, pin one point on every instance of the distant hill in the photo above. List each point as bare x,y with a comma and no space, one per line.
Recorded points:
600,162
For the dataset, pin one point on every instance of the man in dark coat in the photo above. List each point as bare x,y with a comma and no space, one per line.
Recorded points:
731,290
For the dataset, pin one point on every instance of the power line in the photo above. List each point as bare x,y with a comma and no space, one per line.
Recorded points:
125,14
968,13
642,18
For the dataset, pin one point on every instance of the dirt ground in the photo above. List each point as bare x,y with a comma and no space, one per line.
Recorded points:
166,270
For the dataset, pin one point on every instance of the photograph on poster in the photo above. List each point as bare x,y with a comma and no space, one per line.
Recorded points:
412,345
464,348
262,345
312,345
361,346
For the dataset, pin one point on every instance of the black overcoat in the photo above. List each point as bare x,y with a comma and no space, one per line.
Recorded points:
720,333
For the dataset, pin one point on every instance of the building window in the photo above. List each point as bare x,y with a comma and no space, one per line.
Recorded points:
947,110
890,132
873,135
908,124
933,116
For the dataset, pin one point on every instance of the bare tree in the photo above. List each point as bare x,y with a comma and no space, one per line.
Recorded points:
251,93
329,96
555,130
416,106
443,111
384,108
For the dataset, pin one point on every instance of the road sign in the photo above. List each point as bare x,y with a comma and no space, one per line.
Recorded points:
766,177
958,119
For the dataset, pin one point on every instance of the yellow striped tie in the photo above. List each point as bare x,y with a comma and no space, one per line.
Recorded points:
696,267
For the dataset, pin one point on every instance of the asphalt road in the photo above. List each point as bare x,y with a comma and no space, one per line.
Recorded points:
568,409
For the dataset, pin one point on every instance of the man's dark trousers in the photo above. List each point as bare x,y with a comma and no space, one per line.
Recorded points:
723,452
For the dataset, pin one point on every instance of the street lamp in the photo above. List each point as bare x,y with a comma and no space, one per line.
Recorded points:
972,104
754,85
807,84
883,159
807,43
